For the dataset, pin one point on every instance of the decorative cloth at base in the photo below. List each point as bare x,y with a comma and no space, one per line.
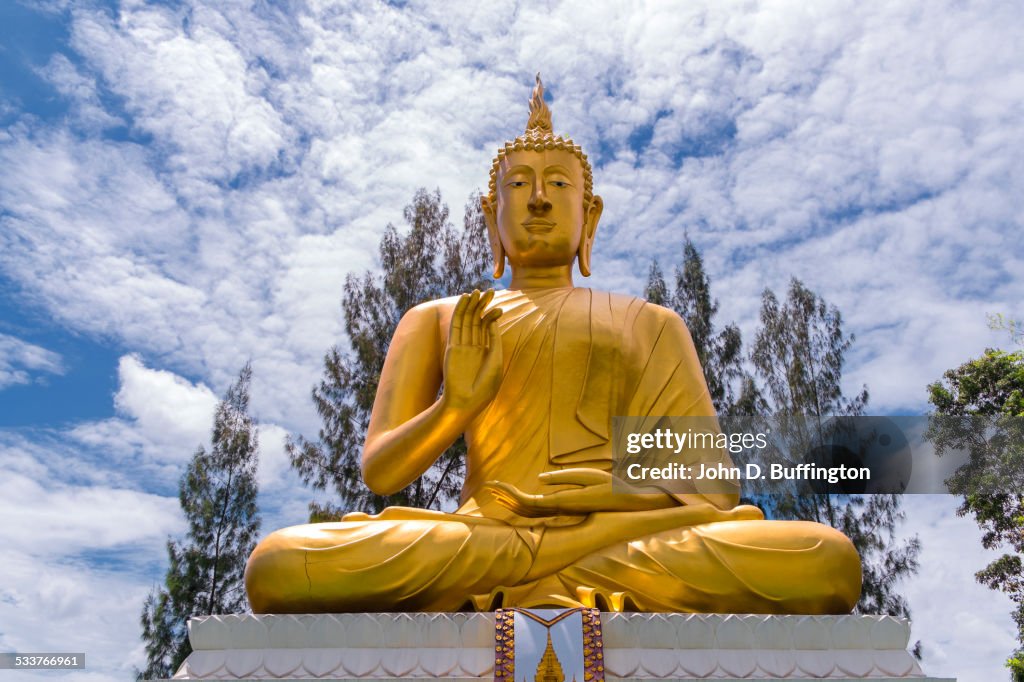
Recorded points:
548,645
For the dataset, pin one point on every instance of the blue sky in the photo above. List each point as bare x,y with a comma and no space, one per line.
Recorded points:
185,185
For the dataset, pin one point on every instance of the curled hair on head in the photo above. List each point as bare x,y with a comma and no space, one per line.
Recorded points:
539,136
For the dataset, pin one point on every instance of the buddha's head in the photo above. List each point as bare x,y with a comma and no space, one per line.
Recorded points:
540,208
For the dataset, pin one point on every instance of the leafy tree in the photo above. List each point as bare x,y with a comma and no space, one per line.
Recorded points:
980,410
1015,328
205,575
430,261
720,351
799,355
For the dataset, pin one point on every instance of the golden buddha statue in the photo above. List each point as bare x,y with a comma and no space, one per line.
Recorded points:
532,375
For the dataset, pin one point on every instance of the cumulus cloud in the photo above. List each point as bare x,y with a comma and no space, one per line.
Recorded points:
86,532
82,92
66,520
186,83
20,361
161,420
159,413
863,148
70,606
943,593
81,554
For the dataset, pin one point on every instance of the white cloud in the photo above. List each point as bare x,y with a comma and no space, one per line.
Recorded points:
86,539
81,92
57,520
952,613
19,360
69,606
186,84
274,466
164,405
79,556
161,420
160,415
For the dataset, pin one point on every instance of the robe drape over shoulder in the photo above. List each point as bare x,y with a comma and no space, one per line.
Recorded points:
574,359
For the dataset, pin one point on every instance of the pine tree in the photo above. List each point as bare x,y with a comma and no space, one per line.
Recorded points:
430,261
799,355
980,410
206,570
720,351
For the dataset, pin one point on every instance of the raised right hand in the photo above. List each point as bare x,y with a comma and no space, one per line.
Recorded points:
472,358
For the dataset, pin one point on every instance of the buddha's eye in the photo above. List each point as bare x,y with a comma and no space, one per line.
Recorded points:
559,183
516,183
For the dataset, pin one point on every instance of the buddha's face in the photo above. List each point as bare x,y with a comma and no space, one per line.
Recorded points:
540,218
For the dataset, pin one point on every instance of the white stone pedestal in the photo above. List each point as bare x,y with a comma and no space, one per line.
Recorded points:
637,646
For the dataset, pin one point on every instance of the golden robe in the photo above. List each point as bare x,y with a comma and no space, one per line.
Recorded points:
574,358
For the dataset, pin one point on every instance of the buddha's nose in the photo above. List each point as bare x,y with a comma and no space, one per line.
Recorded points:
539,200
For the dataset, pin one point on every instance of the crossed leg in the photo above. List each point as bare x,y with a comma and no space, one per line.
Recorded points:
443,562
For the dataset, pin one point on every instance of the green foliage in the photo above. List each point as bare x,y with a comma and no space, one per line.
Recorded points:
430,261
799,352
206,570
1015,328
1016,665
799,355
992,384
980,409
720,351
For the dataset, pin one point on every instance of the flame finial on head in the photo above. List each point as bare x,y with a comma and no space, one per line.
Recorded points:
540,115
538,136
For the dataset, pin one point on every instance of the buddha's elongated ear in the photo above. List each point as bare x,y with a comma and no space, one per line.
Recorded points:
497,250
590,221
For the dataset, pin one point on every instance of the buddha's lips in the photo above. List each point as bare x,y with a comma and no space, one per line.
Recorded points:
538,225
